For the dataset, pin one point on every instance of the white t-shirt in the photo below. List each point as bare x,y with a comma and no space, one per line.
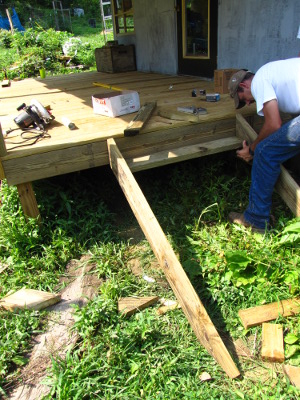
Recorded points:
278,80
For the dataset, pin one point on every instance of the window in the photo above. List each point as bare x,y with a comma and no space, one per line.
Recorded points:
195,22
123,16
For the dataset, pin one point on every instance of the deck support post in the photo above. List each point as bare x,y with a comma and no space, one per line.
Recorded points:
28,200
175,274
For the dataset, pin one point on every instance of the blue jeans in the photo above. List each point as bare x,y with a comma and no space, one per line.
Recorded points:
269,154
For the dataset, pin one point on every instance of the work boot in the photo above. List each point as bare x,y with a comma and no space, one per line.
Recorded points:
239,219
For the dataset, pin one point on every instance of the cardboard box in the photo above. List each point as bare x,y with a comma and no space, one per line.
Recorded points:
116,103
221,79
115,58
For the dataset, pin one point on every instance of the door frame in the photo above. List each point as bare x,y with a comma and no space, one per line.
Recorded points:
193,65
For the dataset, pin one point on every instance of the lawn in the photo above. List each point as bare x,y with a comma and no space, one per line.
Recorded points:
148,355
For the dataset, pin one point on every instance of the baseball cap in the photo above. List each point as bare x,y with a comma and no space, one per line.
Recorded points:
233,85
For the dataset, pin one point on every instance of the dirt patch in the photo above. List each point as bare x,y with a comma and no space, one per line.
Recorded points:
82,285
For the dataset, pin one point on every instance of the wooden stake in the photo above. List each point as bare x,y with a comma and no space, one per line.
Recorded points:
254,316
272,343
175,274
10,21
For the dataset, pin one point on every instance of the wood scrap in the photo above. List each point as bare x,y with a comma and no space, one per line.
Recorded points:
130,305
30,299
272,342
139,121
164,309
293,373
254,316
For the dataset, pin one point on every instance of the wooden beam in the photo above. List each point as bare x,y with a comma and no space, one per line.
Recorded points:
254,316
286,186
183,153
272,343
28,200
143,115
175,274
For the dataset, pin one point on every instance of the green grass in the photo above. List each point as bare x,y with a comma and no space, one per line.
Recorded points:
147,355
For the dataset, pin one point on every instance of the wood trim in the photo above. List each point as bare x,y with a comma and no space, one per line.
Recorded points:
176,276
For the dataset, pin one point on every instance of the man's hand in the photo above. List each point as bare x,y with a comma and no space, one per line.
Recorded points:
244,152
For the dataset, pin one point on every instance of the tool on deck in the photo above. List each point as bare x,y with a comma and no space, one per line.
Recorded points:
34,115
104,85
140,119
192,110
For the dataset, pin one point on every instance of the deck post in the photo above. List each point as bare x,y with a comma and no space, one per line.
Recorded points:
175,274
28,200
3,152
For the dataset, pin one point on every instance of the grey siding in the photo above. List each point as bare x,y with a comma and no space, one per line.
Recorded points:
250,33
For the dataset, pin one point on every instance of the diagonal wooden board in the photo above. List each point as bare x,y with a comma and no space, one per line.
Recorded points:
29,298
286,186
175,274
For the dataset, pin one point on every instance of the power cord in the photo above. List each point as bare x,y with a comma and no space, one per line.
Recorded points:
34,138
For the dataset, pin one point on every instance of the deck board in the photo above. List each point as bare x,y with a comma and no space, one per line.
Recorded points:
71,96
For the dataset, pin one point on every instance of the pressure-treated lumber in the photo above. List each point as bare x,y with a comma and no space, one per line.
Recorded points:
293,373
286,186
272,343
257,315
28,200
176,276
29,298
130,305
140,119
183,153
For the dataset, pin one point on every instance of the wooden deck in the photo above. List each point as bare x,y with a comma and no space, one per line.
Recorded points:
162,141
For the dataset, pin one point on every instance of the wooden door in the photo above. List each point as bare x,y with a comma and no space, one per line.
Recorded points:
197,22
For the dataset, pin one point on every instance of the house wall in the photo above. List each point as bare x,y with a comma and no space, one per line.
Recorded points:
250,34
253,33
155,36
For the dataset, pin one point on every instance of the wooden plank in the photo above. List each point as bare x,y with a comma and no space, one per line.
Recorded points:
29,298
286,186
130,305
139,121
293,373
175,274
254,316
183,153
272,343
28,200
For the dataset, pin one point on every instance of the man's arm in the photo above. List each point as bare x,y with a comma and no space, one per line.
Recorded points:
272,124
